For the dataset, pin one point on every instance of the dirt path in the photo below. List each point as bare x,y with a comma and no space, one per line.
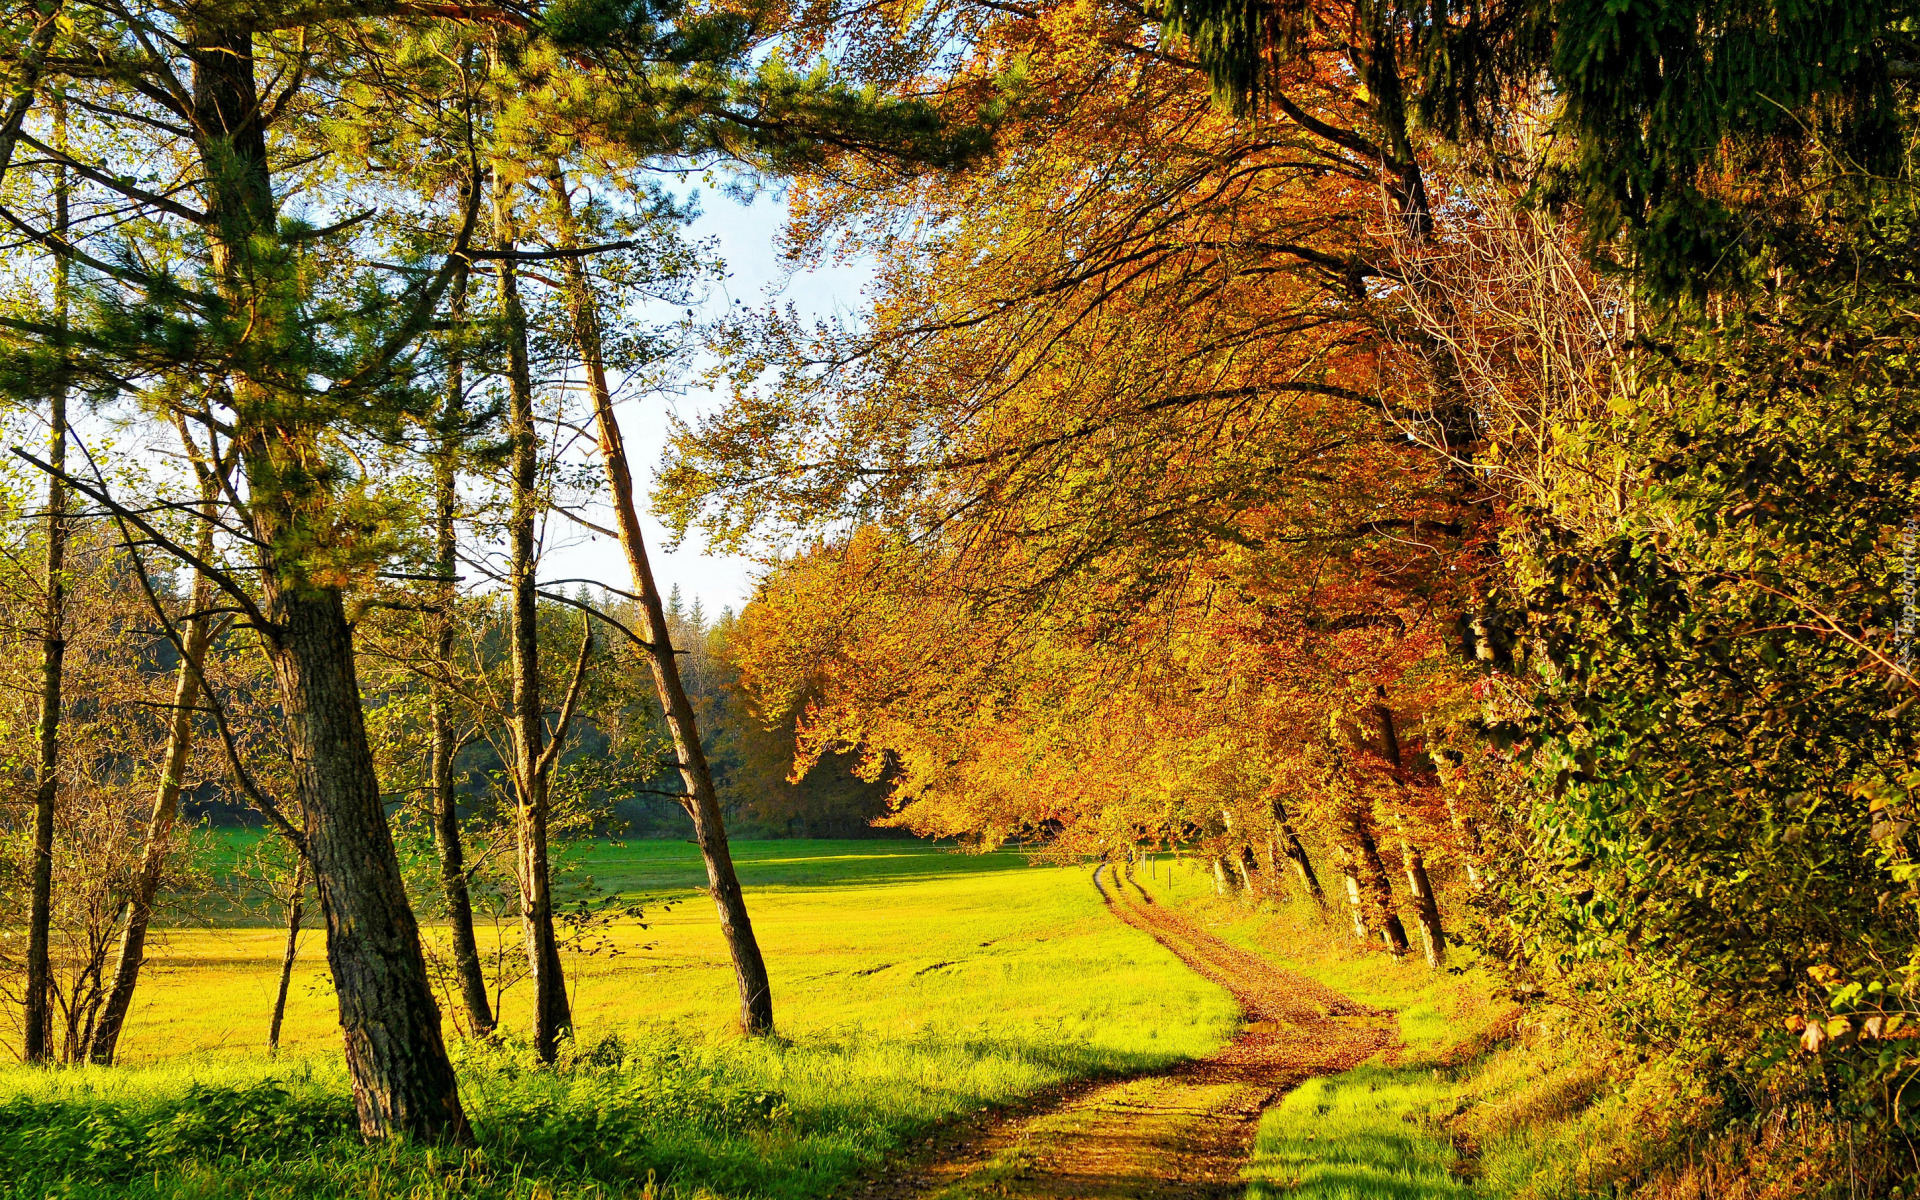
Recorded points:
1184,1133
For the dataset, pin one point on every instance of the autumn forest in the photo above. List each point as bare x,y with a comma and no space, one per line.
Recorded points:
1333,619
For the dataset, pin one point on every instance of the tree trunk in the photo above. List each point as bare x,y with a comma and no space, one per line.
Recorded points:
440,778
1355,909
1241,860
1249,871
551,1019
749,969
1425,907
296,907
166,803
1297,852
1454,779
403,1081
38,1017
1374,883
1469,832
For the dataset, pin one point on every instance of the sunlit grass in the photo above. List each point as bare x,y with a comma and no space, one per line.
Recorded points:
1357,1136
910,985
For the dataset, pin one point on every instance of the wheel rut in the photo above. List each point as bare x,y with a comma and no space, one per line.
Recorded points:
1184,1132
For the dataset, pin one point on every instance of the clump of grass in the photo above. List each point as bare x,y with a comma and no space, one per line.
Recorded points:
1359,1135
607,1117
732,1118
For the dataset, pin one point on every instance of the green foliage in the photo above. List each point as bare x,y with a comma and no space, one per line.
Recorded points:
1669,102
71,1139
1721,698
1678,121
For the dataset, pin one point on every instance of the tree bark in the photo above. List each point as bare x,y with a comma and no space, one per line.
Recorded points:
166,804
1241,860
1249,871
551,1018
440,777
1296,852
1455,779
296,908
709,830
403,1081
1222,878
1374,883
1355,909
38,1017
1425,907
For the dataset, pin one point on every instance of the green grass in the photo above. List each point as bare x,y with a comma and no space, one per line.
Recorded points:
640,867
1540,1112
910,985
1379,1132
1358,1136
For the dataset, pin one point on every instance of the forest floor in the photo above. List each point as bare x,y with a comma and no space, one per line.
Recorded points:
1185,1132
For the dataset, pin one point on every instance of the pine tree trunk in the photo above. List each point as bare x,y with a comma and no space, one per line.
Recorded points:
749,969
403,1081
296,908
196,638
551,1019
440,776
38,1017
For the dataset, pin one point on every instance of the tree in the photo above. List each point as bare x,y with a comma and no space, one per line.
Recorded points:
699,798
201,626
38,1013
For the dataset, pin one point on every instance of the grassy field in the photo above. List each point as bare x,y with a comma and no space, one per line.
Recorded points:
910,983
864,939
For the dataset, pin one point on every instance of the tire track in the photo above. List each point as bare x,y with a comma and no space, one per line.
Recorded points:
1184,1132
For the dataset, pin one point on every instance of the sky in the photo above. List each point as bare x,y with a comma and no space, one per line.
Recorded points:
745,234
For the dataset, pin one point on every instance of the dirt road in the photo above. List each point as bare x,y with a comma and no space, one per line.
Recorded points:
1185,1133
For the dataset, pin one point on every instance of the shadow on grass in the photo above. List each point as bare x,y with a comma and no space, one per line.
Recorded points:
653,865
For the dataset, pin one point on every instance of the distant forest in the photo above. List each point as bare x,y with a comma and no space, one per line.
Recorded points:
750,750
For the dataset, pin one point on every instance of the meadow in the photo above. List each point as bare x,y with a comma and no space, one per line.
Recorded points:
912,984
